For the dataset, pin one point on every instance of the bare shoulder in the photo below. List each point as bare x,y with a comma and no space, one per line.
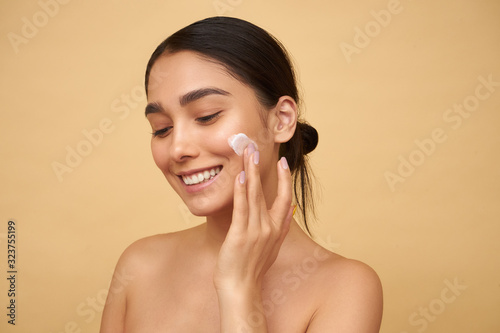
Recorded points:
149,250
351,297
351,273
143,251
139,261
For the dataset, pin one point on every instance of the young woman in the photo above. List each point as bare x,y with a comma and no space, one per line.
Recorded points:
222,104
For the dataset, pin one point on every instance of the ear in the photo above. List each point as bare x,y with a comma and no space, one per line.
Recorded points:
283,119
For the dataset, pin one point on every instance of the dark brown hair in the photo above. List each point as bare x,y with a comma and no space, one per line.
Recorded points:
256,58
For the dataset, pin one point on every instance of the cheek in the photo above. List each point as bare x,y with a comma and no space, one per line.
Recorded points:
159,155
259,134
263,138
218,140
218,144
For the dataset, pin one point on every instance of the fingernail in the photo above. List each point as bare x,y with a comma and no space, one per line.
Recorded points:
284,163
256,157
242,177
251,149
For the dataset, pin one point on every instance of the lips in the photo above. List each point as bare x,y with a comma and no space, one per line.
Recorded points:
201,176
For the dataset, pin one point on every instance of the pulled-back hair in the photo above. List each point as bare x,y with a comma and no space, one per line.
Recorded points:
259,60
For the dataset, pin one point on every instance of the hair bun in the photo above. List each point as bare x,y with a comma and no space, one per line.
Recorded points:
309,137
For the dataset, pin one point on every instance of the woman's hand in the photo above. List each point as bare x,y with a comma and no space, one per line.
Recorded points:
253,241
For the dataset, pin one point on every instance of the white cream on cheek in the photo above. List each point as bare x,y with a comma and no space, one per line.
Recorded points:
239,142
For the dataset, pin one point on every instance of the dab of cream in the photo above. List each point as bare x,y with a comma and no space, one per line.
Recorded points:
239,142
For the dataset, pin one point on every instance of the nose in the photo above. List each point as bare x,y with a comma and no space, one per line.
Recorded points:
183,145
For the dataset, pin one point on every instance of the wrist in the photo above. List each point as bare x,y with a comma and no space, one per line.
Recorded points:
238,285
241,307
239,291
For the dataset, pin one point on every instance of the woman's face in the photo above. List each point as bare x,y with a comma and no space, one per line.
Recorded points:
194,106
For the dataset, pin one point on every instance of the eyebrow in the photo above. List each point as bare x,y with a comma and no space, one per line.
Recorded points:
153,107
187,98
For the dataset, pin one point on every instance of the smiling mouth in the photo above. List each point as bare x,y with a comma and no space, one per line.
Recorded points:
201,176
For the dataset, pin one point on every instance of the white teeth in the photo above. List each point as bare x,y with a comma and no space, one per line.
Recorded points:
200,177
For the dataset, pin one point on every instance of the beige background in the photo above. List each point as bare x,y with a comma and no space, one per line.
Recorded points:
435,226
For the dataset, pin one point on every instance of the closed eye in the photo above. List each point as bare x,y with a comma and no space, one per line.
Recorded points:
162,132
209,118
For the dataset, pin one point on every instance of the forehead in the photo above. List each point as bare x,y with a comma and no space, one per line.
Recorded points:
181,72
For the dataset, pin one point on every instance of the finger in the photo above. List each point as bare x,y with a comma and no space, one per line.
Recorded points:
249,150
240,204
255,196
286,223
281,205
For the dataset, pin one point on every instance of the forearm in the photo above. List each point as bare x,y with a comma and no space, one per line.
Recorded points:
241,311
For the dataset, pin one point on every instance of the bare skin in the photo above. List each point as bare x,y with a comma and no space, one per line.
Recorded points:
250,267
172,288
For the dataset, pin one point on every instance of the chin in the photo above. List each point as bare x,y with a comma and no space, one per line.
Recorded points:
204,206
